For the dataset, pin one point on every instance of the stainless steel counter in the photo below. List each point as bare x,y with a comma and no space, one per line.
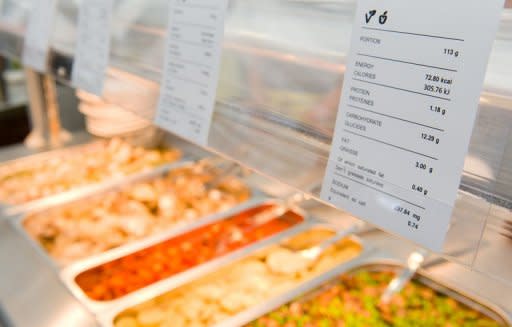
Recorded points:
31,291
27,278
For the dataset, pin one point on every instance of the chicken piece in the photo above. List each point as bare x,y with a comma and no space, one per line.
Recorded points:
126,322
144,192
167,204
151,317
294,262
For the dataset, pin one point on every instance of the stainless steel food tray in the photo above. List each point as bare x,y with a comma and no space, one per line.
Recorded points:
107,317
377,262
69,274
69,198
9,166
8,210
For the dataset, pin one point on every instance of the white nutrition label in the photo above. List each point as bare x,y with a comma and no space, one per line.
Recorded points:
38,33
409,102
92,45
191,68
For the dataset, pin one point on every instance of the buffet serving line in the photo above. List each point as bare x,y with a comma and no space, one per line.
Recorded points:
104,233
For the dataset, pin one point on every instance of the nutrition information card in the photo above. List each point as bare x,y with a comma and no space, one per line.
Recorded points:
92,48
191,68
410,96
38,34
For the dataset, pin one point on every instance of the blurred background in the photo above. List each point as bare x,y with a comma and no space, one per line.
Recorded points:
15,121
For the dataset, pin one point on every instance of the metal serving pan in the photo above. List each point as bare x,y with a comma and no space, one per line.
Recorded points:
7,210
380,264
86,191
15,164
76,196
69,198
106,318
69,274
